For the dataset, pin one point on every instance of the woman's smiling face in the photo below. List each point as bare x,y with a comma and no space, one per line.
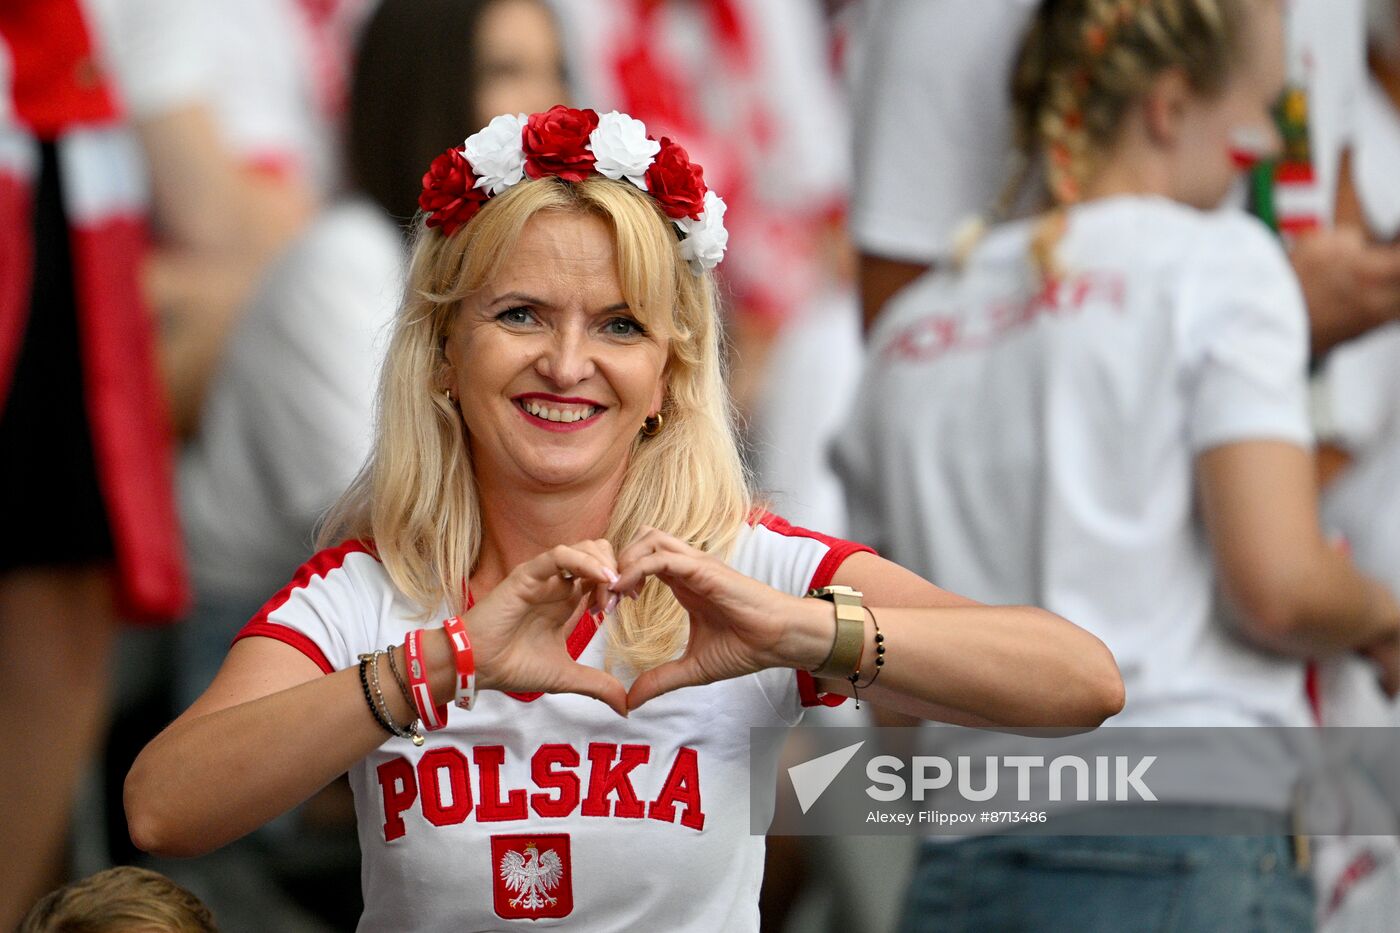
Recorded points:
553,374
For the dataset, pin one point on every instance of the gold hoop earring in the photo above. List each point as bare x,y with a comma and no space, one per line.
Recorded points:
448,393
652,426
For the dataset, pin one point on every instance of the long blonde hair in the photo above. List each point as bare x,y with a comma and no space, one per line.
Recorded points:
416,498
1081,66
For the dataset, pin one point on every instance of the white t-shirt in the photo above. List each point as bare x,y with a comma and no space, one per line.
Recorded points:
1031,448
647,817
289,417
809,380
933,121
1377,153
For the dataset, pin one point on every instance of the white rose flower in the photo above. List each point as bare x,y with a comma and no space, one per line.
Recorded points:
705,239
496,154
621,148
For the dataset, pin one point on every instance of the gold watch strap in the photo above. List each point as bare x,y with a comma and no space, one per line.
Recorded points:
844,658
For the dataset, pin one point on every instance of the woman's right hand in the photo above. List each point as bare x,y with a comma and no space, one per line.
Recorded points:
519,632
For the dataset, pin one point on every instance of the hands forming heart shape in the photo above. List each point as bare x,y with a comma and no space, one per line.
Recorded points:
738,625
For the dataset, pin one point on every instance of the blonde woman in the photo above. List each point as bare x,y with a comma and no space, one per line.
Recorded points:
554,449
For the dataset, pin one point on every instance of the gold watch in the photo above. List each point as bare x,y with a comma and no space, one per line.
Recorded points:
844,658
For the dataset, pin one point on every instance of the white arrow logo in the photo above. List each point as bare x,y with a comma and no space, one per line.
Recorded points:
811,778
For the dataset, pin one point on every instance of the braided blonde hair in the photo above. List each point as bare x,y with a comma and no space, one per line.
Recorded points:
1081,66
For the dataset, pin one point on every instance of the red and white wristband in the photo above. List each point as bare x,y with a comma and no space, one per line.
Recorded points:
434,717
466,664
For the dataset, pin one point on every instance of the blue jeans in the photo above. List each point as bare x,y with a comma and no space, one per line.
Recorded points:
1088,884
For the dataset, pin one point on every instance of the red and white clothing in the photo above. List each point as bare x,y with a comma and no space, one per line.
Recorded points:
1031,444
647,817
56,86
750,88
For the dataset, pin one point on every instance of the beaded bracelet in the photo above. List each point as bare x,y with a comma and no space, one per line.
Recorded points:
879,660
398,675
410,731
369,676
365,661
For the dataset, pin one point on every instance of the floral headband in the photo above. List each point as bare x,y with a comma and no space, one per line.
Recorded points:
572,145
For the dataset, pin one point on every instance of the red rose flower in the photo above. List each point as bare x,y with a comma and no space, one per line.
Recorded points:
449,196
556,143
676,183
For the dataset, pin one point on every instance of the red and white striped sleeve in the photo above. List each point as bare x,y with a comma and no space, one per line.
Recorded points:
322,611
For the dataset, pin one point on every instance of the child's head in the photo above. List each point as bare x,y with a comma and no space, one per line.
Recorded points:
1187,83
120,900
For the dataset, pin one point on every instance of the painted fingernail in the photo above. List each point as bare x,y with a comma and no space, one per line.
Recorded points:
612,577
612,603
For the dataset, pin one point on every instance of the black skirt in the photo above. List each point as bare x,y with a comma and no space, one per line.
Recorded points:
52,505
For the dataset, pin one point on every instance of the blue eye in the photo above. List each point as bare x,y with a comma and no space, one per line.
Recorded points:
516,316
623,327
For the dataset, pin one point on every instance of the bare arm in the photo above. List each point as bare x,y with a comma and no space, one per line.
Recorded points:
955,660
948,657
270,731
880,279
1292,592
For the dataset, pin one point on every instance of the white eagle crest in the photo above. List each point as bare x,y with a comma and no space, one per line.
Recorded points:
532,875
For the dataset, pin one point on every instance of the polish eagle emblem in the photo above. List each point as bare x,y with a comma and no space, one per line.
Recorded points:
532,875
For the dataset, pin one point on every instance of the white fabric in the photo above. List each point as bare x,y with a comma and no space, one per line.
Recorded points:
1377,153
647,873
1327,56
157,50
933,121
266,97
933,127
288,418
1360,388
1358,878
1027,451
810,377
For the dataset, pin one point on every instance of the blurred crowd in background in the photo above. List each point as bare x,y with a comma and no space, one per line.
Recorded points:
205,208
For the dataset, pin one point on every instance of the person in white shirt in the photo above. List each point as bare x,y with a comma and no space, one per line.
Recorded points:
1359,396
288,419
933,150
553,455
933,144
1104,411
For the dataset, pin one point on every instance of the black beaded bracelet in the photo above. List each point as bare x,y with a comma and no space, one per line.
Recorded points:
381,706
365,661
879,660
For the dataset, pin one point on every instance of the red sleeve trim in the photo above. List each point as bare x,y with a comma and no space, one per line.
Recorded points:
783,527
288,636
318,566
838,550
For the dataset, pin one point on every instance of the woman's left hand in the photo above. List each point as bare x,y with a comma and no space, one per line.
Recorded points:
737,624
